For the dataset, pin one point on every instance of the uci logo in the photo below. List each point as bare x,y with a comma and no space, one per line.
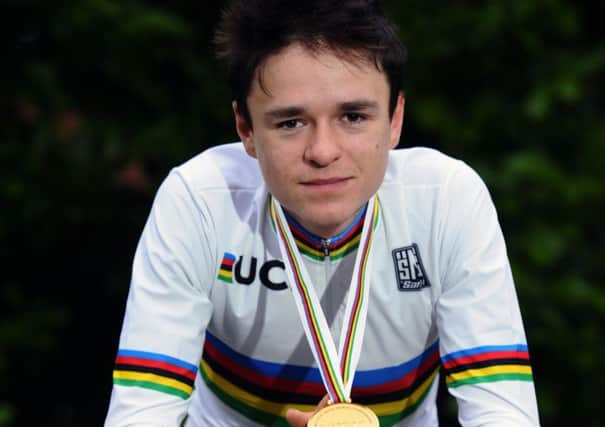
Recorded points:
241,271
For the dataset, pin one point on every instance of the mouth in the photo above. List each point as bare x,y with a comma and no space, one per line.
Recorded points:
326,183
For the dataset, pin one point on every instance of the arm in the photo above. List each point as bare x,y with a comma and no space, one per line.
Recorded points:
482,340
167,311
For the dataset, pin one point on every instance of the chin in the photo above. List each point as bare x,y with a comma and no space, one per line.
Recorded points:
331,222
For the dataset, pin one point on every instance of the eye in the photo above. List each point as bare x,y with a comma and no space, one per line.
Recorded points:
354,118
289,124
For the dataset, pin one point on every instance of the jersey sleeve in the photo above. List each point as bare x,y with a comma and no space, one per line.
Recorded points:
167,310
483,346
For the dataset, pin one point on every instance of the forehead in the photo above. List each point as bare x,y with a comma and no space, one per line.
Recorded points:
300,73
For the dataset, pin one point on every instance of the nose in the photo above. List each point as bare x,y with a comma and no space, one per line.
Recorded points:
323,146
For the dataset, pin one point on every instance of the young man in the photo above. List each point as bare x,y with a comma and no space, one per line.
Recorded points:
313,260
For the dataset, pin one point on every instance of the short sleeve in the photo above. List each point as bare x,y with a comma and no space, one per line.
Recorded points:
483,347
167,311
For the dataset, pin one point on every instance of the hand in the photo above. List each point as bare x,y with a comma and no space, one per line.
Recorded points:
298,418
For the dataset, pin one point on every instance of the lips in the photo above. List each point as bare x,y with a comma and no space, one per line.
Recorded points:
325,181
326,185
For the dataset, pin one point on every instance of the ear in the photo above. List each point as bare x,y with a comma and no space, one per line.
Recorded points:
397,120
244,130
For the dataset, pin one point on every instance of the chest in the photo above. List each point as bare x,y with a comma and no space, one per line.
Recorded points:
255,315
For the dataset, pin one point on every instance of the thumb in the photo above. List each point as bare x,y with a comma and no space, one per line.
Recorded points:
298,418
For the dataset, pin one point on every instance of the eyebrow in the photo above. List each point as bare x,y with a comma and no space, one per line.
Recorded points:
360,104
285,112
292,111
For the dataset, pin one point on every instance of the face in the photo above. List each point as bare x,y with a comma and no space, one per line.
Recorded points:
321,132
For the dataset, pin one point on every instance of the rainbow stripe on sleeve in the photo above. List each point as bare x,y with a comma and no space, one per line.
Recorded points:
263,391
487,364
155,372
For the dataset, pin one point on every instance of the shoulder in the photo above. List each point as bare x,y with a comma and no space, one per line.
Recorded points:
423,177
421,166
223,167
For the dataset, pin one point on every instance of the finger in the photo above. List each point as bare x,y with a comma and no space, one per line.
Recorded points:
323,403
298,418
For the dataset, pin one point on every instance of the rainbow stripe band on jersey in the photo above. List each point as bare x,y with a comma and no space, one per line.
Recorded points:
487,364
337,247
155,372
263,391
337,369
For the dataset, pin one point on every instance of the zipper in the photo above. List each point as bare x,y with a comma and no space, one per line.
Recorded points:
325,244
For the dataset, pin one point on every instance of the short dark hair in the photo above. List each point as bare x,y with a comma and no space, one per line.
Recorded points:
252,30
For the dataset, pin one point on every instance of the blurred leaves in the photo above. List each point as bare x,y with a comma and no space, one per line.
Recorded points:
102,97
6,415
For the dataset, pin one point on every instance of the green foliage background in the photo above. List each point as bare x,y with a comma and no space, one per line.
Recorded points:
100,98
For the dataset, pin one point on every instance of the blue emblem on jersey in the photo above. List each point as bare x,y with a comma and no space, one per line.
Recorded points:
409,270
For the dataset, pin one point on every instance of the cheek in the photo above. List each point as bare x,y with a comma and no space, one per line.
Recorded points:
381,148
278,159
273,167
377,158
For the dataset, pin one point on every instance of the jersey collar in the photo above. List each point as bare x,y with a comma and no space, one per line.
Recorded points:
333,248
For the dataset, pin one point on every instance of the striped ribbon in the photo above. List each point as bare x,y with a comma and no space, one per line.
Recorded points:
337,369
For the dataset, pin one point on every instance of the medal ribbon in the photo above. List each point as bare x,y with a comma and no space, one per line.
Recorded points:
337,369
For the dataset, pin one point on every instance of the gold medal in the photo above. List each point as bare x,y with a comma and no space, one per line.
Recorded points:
344,415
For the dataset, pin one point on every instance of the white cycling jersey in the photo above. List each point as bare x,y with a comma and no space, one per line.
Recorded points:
211,329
